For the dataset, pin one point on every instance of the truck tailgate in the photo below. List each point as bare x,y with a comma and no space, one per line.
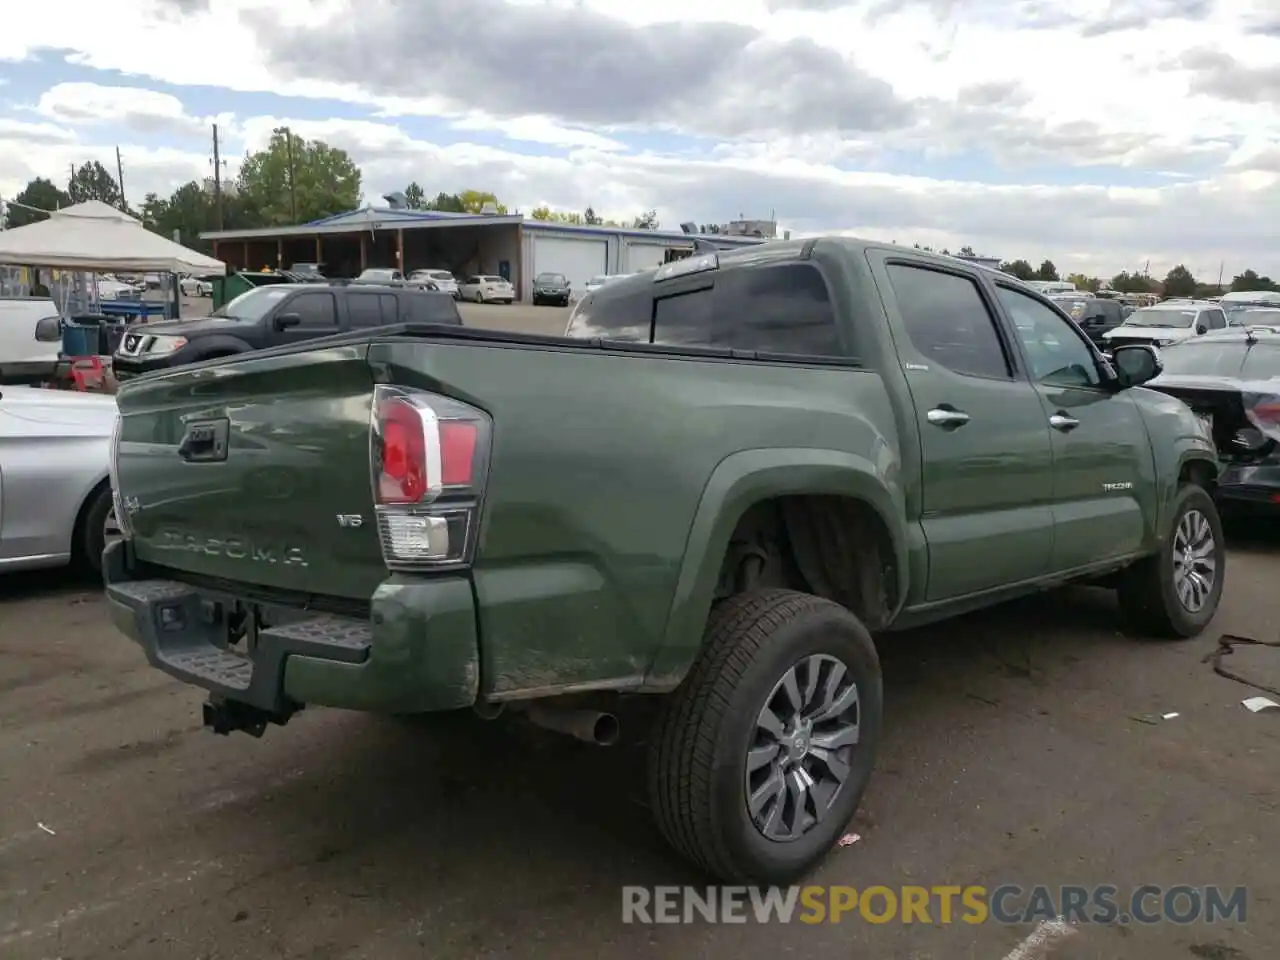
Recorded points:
254,471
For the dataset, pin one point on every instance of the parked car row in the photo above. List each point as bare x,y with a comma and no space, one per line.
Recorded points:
482,288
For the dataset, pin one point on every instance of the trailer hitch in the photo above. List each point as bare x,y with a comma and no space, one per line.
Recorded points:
224,716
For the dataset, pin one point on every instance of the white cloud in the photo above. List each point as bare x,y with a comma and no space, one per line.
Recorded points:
1015,84
146,111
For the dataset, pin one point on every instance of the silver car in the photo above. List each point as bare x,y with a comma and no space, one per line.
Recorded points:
55,490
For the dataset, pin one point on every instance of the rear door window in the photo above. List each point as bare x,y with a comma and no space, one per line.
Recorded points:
430,308
780,308
947,320
364,309
317,310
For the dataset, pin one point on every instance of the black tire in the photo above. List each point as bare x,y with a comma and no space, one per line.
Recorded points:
1149,601
90,534
697,752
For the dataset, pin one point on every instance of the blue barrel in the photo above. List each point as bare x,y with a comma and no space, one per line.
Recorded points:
79,340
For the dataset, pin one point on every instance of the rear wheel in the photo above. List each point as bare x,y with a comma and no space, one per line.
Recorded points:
760,758
1175,593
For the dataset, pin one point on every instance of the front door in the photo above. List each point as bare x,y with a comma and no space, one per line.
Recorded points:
1102,456
987,478
317,311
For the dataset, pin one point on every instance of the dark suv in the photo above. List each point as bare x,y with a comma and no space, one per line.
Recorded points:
1094,315
551,288
274,315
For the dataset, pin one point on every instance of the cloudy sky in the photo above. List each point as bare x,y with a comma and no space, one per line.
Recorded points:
1116,133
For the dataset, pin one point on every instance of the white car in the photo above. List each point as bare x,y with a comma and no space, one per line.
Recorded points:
380,275
193,287
111,289
54,456
444,280
1167,323
486,289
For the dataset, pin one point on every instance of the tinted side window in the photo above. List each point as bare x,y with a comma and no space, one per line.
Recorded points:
782,308
948,321
1217,319
611,315
431,308
684,319
1054,349
364,309
315,309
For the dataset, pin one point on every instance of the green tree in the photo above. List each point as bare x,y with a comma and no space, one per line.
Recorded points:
39,193
1125,282
322,180
1047,271
1019,268
547,215
91,181
967,251
1082,282
473,201
446,203
414,196
1179,283
590,219
1242,283
646,221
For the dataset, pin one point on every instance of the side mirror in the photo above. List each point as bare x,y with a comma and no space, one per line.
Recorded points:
286,320
49,330
1135,364
1202,329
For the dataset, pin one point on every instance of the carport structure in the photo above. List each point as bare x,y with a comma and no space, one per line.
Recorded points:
505,245
407,240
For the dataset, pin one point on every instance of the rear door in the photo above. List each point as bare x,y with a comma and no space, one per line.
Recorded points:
987,481
1103,478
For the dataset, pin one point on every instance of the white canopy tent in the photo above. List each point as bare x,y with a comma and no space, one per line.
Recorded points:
95,237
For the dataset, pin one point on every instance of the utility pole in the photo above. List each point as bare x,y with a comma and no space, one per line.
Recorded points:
1221,267
217,178
293,193
120,177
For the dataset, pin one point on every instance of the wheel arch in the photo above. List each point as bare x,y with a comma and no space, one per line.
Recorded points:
790,478
82,511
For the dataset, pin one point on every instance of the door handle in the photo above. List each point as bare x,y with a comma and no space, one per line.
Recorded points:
946,418
1064,423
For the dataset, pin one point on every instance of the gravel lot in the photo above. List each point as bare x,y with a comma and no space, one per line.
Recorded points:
1022,747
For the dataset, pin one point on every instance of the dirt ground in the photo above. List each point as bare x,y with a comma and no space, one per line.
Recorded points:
1023,745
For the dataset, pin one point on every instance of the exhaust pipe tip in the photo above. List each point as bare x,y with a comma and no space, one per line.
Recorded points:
606,731
590,726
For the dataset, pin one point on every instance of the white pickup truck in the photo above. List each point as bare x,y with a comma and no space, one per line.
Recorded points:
26,352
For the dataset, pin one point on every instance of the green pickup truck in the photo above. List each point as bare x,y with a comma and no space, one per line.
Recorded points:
728,476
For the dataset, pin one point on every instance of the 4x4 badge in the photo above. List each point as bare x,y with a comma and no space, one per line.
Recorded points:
350,520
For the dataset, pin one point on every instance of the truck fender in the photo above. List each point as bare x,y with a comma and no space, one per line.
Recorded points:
739,482
1189,453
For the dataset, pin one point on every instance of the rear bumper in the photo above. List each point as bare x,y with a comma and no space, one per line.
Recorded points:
417,652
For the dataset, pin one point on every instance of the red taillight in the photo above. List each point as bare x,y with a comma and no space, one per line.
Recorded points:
403,477
428,456
458,452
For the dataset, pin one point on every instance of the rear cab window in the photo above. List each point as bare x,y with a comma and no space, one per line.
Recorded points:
775,310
